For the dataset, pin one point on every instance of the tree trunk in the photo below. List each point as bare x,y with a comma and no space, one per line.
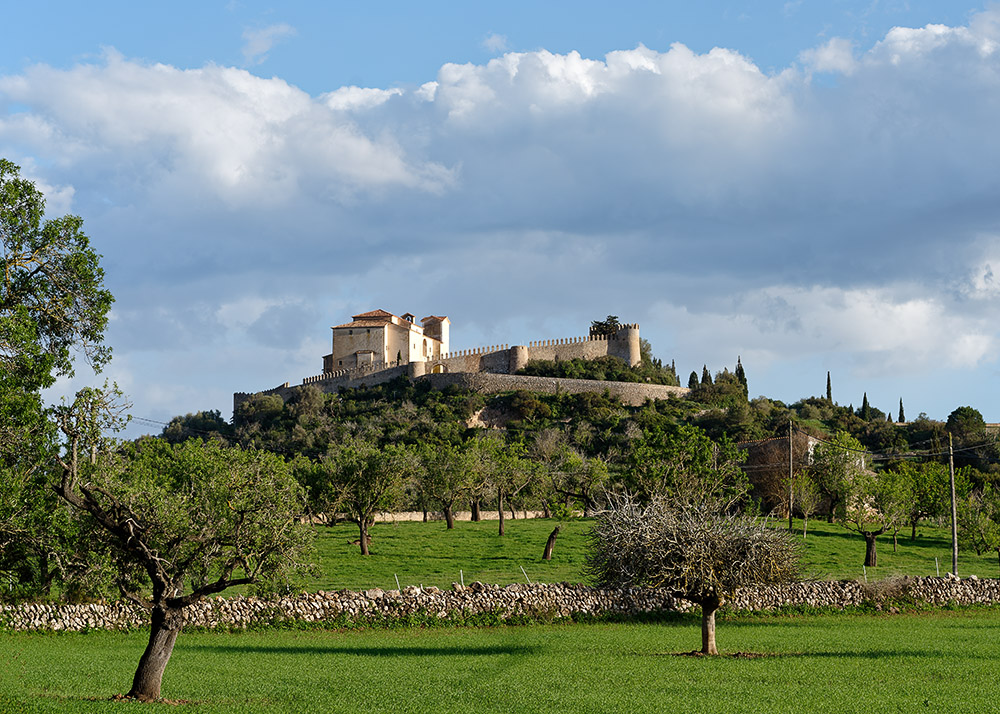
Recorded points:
476,517
513,513
804,522
871,557
894,541
913,533
164,628
550,544
708,608
500,509
449,517
363,527
546,511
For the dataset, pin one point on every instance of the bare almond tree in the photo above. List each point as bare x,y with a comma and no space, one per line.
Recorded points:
700,553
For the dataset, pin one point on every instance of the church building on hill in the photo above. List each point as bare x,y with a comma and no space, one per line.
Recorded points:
381,338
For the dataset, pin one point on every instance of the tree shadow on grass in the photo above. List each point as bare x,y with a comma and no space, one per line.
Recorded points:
861,655
408,651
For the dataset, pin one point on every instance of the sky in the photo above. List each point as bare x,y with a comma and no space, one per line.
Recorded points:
810,186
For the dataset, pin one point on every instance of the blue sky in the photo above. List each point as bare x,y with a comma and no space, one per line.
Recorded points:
811,186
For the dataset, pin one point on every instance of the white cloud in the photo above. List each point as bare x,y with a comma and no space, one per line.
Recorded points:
837,55
882,332
495,43
258,42
351,98
215,130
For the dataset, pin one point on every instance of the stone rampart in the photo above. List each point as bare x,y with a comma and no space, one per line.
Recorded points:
333,382
507,602
631,393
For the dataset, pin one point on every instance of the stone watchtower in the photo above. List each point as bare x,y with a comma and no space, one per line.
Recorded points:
624,345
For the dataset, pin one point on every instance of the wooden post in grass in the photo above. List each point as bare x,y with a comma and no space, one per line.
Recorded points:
790,489
954,508
550,543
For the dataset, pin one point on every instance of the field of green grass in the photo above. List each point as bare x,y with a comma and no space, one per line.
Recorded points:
941,662
429,554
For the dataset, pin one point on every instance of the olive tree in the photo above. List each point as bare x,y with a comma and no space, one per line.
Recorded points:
697,552
183,521
367,479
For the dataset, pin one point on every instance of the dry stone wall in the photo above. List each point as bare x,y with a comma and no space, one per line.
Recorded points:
507,602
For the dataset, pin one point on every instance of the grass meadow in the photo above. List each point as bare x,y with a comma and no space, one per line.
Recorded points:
942,662
429,554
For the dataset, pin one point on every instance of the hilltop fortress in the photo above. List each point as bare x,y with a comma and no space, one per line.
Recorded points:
378,346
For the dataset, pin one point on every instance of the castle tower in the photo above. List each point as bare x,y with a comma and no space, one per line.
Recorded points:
437,327
624,345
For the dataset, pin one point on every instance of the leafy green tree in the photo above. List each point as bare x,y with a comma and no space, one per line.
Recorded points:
683,463
201,425
503,467
367,480
902,415
836,463
866,410
693,380
966,423
863,501
829,389
706,376
53,307
606,327
927,491
446,474
186,521
979,520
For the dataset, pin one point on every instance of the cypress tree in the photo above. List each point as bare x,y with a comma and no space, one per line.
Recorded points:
741,376
693,380
706,376
829,389
866,410
902,416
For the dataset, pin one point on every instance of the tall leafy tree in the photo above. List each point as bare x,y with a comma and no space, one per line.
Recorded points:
902,415
53,306
829,388
185,521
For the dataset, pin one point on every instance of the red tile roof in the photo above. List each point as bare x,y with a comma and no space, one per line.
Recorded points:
374,313
364,323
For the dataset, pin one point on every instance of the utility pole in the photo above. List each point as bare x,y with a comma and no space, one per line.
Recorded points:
790,489
954,508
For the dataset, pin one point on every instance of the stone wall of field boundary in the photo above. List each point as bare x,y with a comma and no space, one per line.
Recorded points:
507,602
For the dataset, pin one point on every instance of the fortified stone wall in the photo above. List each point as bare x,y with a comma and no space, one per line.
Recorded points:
511,601
631,393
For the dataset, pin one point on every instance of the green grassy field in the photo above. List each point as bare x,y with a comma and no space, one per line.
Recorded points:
941,662
429,554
